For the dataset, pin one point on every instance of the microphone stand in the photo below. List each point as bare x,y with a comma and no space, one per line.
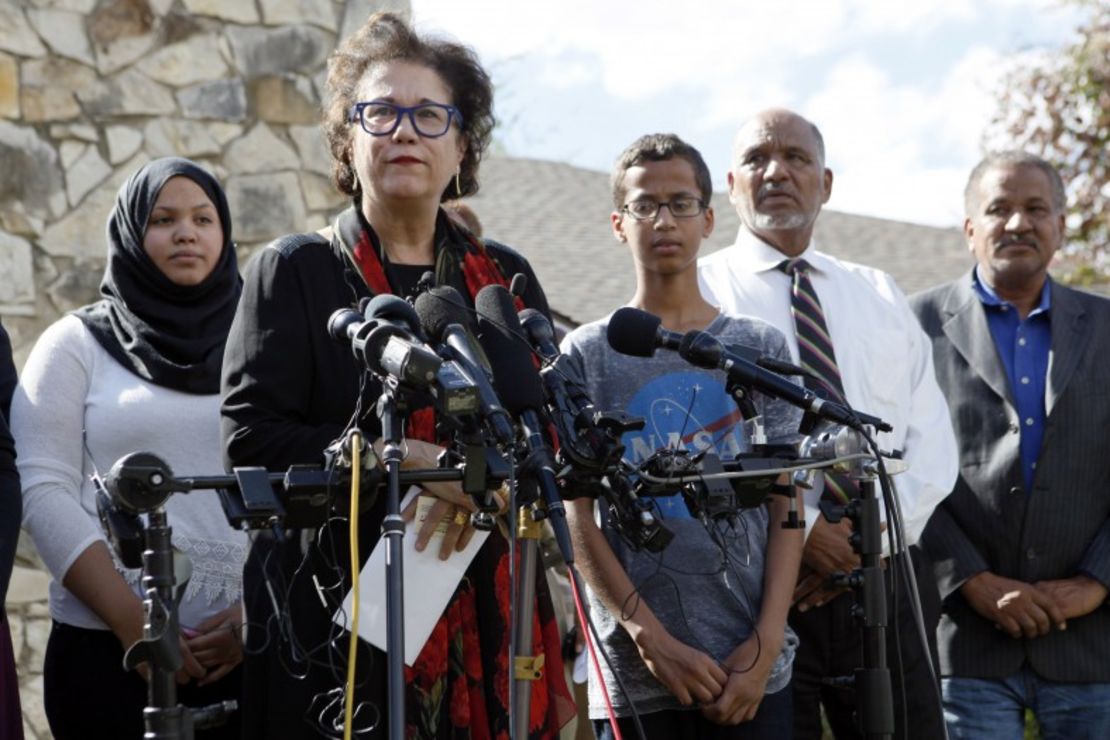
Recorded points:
163,717
526,667
391,408
540,466
142,482
871,682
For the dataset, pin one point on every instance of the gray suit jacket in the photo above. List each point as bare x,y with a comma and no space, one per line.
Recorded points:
1059,529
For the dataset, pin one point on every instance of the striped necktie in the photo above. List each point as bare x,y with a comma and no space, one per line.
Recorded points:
816,354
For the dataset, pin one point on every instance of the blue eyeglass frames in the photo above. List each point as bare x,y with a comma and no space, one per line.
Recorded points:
379,118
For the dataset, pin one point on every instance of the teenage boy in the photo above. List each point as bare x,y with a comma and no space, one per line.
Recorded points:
696,633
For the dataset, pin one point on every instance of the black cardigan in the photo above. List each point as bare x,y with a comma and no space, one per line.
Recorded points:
11,499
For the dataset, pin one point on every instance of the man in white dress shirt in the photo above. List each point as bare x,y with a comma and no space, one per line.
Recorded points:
882,360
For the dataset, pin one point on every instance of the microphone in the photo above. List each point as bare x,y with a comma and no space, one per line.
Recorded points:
389,342
386,341
518,383
444,317
590,441
775,365
395,310
702,349
642,332
581,441
540,333
638,333
502,338
518,284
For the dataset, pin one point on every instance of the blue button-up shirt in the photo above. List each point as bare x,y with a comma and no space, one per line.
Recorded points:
1023,346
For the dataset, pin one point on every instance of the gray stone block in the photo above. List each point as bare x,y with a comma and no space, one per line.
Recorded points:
294,49
222,100
30,167
265,206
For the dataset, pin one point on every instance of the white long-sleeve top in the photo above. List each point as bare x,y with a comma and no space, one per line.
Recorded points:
72,388
884,357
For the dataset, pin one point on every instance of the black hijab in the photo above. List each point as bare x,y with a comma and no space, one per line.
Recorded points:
172,335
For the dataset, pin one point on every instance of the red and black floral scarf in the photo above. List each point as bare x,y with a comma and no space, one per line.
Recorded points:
458,688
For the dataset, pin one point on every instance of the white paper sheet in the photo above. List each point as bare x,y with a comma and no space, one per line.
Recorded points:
428,584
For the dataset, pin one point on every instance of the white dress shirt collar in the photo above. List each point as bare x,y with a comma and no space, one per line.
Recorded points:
759,256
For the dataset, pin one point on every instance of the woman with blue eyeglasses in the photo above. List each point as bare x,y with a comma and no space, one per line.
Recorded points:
407,119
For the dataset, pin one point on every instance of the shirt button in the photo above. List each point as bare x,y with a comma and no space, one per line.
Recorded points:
1029,422
1025,380
1031,553
1022,341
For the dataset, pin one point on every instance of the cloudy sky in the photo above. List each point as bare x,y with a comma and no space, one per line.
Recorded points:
902,89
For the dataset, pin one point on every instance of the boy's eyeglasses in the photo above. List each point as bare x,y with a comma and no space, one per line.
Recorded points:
647,210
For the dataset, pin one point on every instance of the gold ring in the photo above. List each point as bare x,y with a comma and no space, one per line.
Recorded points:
462,518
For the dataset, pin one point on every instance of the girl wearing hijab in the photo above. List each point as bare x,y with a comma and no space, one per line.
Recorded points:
139,370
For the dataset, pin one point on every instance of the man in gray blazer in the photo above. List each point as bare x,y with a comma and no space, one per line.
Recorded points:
1022,545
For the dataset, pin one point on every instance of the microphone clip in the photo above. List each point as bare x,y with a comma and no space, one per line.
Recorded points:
340,454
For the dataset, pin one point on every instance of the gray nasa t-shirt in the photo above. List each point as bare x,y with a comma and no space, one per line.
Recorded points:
706,593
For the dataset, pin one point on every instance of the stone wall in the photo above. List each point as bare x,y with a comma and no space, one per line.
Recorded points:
92,89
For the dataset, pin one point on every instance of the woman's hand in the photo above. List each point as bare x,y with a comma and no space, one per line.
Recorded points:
450,511
93,578
216,643
420,455
455,521
130,631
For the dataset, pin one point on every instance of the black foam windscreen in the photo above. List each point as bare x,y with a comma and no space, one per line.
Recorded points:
518,284
392,308
340,322
515,376
540,332
633,332
440,307
701,349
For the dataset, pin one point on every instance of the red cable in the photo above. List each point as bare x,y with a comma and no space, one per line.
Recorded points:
593,656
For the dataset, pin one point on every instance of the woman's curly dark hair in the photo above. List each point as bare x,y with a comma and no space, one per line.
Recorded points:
386,37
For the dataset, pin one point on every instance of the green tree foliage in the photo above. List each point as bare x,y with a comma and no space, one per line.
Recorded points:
1059,107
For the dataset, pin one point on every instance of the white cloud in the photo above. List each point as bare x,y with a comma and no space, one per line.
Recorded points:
900,138
645,47
733,101
567,70
966,101
901,16
903,152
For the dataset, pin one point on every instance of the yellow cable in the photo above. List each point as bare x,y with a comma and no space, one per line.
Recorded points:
352,651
